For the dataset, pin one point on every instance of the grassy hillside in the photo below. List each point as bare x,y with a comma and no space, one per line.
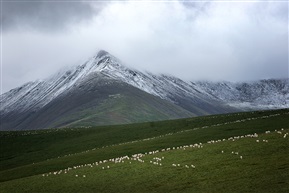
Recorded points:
129,107
264,167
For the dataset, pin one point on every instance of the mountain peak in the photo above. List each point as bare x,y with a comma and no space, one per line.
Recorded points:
101,53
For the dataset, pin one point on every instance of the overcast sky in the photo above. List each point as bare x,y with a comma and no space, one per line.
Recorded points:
193,40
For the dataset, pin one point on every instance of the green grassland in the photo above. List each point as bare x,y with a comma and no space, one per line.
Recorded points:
38,161
123,109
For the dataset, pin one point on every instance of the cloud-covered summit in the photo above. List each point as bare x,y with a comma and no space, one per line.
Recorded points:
216,40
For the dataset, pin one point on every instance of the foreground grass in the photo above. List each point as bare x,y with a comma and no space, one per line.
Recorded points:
26,155
210,167
21,148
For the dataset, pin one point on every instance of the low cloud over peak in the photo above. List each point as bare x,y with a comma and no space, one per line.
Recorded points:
212,40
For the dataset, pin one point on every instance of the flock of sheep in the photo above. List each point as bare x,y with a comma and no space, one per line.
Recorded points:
157,160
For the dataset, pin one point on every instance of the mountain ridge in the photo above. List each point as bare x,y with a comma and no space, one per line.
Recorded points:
104,71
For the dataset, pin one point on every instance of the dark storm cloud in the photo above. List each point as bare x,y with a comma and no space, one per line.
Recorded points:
198,5
46,15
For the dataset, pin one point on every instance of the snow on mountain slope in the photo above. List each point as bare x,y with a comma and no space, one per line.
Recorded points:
38,93
163,86
263,94
189,95
35,95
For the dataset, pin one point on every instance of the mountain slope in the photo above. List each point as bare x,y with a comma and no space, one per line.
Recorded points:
263,94
96,100
103,91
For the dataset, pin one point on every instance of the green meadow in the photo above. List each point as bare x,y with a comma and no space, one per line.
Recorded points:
240,152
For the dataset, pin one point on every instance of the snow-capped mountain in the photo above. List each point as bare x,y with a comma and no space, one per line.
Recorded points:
100,79
263,94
